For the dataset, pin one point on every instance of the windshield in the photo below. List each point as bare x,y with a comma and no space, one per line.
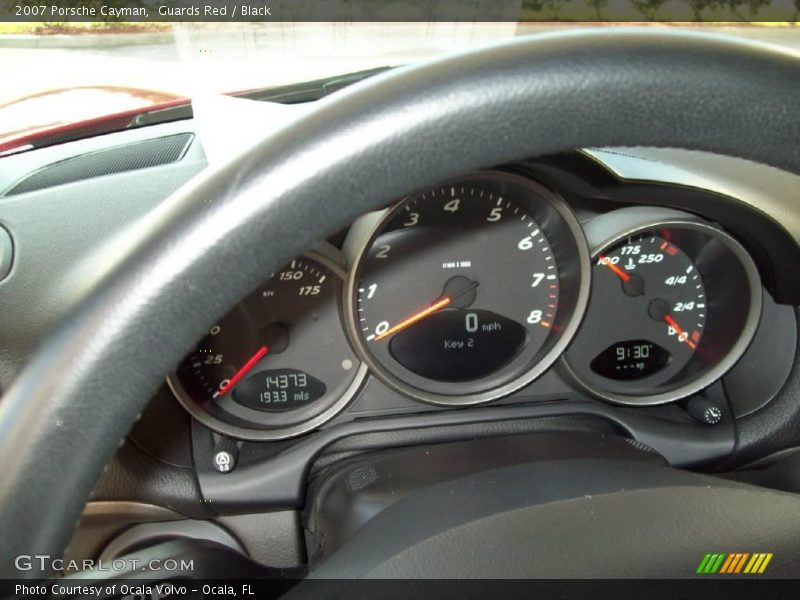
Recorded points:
58,75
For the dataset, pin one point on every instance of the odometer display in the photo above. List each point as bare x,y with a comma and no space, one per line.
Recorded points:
459,294
279,390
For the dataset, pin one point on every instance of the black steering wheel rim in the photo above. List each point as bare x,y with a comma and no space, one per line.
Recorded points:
210,243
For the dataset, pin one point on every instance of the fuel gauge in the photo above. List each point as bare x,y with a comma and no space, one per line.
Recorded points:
673,306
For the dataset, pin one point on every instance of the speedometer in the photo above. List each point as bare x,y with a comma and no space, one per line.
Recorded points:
469,290
278,364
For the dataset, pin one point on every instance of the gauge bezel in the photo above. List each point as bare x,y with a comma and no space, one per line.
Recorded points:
301,426
739,346
573,269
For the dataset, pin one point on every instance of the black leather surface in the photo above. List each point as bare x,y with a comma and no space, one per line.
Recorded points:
771,429
64,239
135,476
571,519
355,445
349,494
213,241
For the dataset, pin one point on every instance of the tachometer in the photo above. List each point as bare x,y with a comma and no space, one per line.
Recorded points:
279,363
673,306
467,291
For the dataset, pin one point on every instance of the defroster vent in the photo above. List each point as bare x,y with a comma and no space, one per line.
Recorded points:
119,159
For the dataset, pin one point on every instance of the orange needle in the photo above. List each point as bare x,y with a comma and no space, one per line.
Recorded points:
672,323
417,316
619,272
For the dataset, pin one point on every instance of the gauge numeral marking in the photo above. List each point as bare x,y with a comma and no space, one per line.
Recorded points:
453,205
675,280
290,275
650,258
413,219
214,359
526,243
495,214
534,317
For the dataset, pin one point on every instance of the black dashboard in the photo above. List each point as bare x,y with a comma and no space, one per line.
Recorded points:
539,289
470,292
605,289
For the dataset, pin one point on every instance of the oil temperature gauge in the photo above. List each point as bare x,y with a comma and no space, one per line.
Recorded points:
278,364
674,304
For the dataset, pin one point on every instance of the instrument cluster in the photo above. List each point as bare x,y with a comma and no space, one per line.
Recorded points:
469,292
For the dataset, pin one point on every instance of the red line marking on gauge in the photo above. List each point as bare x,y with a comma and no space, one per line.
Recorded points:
617,271
418,316
544,323
251,362
669,248
695,336
674,324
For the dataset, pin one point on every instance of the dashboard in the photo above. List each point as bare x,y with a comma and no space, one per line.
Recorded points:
467,293
645,293
568,310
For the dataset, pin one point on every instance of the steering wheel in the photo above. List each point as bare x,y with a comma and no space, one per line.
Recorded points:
64,416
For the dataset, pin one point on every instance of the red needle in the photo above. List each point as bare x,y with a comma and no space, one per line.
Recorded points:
417,316
619,272
251,362
672,323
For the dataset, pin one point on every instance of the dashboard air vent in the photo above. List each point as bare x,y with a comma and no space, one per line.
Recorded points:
119,159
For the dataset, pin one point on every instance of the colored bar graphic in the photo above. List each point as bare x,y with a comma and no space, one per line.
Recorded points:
734,563
764,564
714,567
754,563
740,564
711,563
703,563
727,564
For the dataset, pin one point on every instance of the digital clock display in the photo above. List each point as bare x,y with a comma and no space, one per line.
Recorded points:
630,359
279,390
